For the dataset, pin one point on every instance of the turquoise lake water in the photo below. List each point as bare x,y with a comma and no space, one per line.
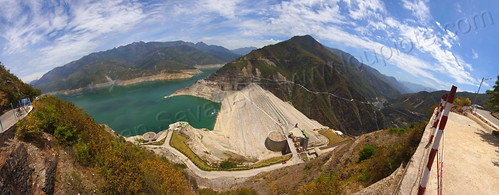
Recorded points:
136,109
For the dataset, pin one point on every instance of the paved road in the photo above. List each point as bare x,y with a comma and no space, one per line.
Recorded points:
8,119
488,116
215,174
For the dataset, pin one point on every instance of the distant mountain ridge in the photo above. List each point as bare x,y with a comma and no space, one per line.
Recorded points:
307,63
243,51
131,61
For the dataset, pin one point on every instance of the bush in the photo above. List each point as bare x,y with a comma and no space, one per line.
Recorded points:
462,102
66,134
125,168
82,153
227,164
366,152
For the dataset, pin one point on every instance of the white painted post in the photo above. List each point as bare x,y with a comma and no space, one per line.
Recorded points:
436,143
437,117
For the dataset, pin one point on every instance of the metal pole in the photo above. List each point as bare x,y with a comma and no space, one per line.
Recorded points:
13,111
476,94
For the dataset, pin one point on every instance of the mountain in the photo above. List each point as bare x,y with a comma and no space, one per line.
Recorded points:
294,70
415,107
131,61
244,50
218,52
414,88
386,83
13,89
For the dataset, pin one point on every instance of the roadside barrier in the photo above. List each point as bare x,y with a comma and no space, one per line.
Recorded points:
437,117
436,143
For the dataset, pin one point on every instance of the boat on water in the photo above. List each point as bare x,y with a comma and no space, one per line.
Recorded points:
214,112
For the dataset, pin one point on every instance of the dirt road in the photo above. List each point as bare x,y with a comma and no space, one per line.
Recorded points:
214,174
471,159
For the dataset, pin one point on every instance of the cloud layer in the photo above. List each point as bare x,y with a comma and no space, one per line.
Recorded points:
38,36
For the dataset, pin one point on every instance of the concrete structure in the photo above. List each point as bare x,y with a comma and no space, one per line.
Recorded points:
149,137
300,138
277,142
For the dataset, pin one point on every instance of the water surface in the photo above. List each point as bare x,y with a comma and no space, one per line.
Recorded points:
139,108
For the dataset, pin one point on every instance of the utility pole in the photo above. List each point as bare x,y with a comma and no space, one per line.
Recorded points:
476,95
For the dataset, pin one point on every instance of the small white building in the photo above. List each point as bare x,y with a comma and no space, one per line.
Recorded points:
339,133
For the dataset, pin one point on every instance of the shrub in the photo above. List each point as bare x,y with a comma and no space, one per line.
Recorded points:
366,152
66,134
28,129
82,153
227,164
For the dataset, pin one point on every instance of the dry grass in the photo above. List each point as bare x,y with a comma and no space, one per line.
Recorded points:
332,136
496,114
178,142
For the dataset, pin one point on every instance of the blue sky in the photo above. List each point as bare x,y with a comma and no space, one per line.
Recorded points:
433,43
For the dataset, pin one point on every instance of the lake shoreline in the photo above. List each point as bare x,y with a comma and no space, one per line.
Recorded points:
185,74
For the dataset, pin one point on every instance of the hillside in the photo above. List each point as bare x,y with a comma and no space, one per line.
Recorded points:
288,67
13,89
408,108
244,50
71,154
135,60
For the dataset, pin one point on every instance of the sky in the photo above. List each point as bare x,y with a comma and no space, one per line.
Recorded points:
433,43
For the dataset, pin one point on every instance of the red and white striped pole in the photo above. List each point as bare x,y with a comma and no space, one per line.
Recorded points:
436,143
437,117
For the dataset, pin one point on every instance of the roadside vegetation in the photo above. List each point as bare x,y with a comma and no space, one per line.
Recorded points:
377,156
461,104
493,102
332,137
13,89
124,167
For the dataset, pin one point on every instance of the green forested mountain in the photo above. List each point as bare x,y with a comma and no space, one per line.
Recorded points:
415,107
305,63
132,61
13,89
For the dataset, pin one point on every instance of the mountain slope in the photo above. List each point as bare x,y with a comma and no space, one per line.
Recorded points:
287,68
13,89
244,50
415,107
382,85
414,88
132,61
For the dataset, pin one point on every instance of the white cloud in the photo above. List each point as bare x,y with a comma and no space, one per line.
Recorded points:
67,33
475,54
419,9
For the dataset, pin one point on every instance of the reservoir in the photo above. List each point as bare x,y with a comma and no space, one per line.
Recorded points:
140,108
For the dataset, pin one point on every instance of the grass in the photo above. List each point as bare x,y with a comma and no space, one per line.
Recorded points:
304,156
271,161
178,142
332,136
496,114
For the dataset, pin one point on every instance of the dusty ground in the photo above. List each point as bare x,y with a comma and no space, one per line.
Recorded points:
243,124
471,159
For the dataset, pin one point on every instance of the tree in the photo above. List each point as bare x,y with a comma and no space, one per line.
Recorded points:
494,97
